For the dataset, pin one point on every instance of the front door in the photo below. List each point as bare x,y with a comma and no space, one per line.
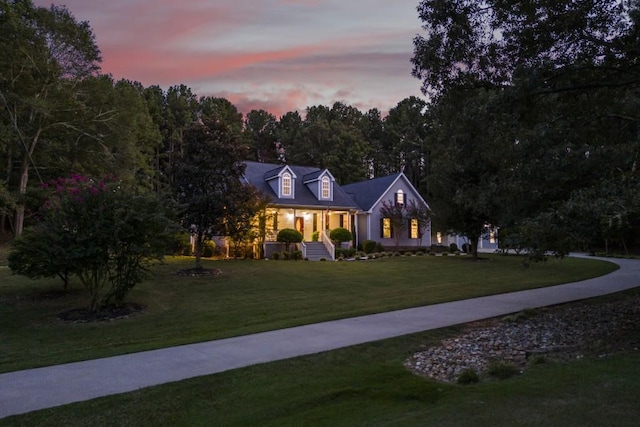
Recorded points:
300,225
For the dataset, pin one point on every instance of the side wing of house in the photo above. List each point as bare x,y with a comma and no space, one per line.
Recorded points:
372,224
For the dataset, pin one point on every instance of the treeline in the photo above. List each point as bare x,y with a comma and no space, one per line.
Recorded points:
532,123
60,115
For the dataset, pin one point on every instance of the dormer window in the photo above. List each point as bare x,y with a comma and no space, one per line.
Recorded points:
286,184
326,187
400,197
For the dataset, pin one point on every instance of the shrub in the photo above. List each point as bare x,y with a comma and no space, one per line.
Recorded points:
286,255
502,370
296,255
315,236
323,259
419,253
340,235
180,243
432,253
208,248
468,376
445,254
369,246
275,256
288,236
453,247
457,253
397,254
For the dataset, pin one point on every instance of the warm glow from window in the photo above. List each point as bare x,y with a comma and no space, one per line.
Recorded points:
400,197
386,228
326,189
439,237
286,184
414,229
492,237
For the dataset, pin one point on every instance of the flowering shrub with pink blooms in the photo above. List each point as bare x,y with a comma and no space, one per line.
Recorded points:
101,231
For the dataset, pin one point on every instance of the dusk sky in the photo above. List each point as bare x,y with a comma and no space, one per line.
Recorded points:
277,55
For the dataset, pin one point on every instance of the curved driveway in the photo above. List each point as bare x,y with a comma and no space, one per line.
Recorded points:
33,389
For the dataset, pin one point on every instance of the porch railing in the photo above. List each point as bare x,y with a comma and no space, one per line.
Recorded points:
303,249
331,248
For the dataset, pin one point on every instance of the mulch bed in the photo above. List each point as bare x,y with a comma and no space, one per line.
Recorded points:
199,272
105,314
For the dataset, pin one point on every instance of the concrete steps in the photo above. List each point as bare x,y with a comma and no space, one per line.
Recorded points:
317,250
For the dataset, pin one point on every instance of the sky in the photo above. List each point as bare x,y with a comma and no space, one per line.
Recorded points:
276,55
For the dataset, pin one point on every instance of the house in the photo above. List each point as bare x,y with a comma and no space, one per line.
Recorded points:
310,200
305,198
371,223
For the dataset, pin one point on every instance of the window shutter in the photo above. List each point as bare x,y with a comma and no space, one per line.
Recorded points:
391,227
395,198
410,229
381,228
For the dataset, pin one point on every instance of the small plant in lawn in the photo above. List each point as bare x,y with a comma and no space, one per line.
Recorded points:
468,376
502,370
445,254
397,254
419,253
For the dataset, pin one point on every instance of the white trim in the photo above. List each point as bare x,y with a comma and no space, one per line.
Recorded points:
413,189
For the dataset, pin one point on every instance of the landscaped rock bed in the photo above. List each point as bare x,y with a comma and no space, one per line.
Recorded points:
558,333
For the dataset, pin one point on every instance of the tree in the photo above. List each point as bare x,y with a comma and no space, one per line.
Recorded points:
397,215
260,130
465,177
101,231
564,77
43,56
405,140
241,212
421,214
206,180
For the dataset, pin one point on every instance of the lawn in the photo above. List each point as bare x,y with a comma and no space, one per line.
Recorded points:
368,385
251,296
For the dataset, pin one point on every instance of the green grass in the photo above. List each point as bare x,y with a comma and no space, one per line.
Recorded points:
368,385
251,296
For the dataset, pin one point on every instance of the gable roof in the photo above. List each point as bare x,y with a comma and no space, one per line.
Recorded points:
257,174
368,193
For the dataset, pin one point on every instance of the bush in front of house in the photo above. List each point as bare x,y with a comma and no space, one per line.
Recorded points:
208,248
315,236
369,246
275,256
340,235
345,252
453,248
289,236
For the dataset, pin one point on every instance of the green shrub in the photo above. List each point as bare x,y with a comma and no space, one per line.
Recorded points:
288,236
397,254
457,253
275,256
296,255
323,259
432,253
369,246
340,235
445,254
315,236
502,370
379,247
208,248
419,253
468,376
180,243
453,247
286,255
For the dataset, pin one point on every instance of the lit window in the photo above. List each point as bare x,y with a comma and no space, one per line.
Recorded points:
439,237
286,184
400,197
492,237
386,228
326,187
413,229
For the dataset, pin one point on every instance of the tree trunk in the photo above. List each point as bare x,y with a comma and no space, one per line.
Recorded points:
198,250
24,180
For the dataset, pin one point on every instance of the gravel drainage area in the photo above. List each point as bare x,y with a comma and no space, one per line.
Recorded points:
563,332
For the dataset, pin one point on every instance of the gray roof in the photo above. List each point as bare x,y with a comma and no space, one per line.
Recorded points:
256,173
367,193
